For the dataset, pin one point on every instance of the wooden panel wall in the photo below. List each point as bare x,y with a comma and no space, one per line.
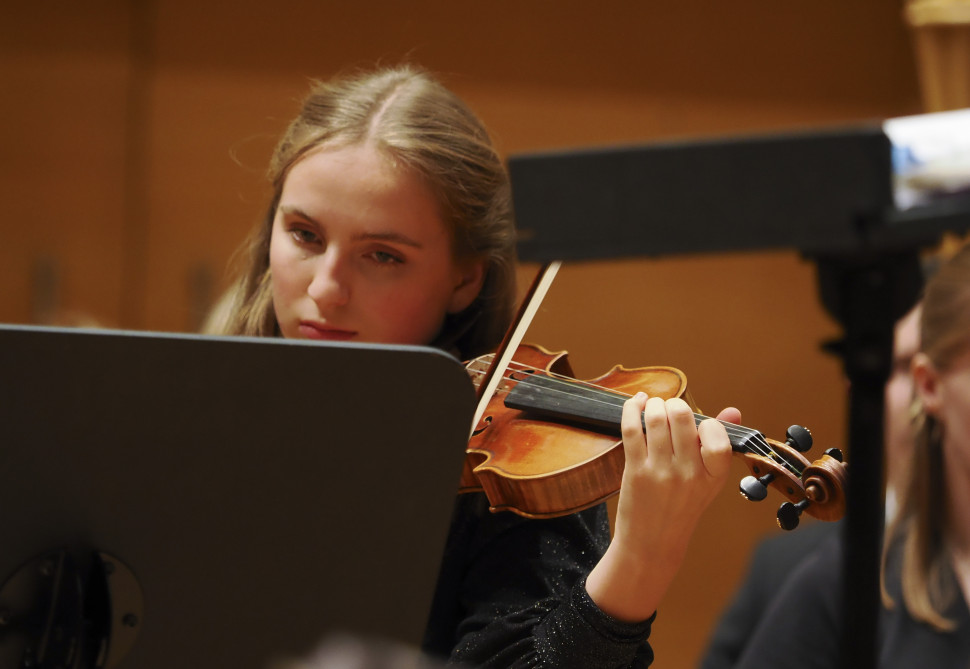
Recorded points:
134,136
63,157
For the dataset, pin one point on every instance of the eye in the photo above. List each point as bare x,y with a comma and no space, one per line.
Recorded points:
386,258
304,236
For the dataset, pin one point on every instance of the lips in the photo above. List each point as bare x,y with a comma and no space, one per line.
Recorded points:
324,332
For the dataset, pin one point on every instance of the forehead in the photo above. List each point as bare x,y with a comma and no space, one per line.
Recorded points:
361,184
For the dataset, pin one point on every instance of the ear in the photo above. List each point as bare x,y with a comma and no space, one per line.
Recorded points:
469,277
926,381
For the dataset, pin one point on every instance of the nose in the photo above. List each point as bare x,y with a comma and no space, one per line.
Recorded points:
330,284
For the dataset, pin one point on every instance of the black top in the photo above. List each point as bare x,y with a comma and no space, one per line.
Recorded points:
773,562
512,594
801,627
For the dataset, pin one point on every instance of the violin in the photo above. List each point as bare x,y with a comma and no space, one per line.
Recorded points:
548,444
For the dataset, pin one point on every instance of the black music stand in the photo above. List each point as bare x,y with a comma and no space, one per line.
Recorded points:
186,501
827,194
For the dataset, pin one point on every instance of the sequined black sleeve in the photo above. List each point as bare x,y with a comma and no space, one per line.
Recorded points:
512,594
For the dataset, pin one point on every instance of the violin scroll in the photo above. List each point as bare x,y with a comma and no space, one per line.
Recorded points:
817,487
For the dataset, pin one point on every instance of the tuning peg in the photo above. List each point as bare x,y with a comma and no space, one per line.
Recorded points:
788,514
835,453
756,489
799,438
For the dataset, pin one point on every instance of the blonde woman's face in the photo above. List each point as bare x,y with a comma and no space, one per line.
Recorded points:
945,395
899,398
360,253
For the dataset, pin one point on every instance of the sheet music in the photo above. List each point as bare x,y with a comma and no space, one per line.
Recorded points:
931,156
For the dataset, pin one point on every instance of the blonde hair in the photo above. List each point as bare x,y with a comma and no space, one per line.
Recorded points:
428,130
928,583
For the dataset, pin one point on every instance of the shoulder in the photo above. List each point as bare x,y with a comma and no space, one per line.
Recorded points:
775,558
800,627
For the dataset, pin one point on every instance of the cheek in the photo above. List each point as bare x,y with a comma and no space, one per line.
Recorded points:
899,392
415,320
277,253
284,274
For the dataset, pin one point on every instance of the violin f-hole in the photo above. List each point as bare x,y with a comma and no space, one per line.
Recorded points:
482,426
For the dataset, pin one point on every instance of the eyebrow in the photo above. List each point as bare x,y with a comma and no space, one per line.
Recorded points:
390,237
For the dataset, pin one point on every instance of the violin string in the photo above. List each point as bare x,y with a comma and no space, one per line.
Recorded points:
614,398
752,439
610,397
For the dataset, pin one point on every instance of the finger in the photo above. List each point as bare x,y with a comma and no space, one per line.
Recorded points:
683,430
730,415
631,424
715,448
657,428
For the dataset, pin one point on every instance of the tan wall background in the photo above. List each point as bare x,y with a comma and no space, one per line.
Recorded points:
134,135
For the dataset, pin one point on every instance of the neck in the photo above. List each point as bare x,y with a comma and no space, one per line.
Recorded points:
958,520
957,477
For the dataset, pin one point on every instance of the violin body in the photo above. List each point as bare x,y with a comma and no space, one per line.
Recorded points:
549,445
539,468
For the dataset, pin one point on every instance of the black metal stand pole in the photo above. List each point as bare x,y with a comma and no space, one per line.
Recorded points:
867,294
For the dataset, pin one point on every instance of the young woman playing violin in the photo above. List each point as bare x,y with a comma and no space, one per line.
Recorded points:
391,222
